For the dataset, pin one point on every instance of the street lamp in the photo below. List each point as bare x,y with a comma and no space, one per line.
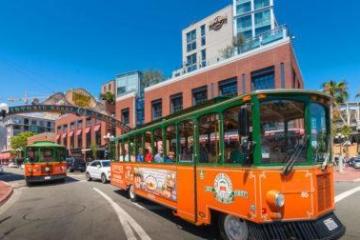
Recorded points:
341,140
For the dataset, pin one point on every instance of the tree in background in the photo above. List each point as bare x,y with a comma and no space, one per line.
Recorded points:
20,141
151,77
340,94
339,91
237,43
108,97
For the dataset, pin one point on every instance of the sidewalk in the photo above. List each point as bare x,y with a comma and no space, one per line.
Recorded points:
5,192
350,174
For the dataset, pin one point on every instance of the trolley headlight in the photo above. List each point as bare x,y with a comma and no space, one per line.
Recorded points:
275,199
279,200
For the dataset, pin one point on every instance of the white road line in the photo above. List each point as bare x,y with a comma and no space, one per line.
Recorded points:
126,220
138,205
346,194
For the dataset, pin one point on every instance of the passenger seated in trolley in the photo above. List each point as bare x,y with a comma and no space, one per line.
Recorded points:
159,157
140,156
170,158
148,156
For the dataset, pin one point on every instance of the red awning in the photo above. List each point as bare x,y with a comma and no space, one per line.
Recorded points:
71,133
64,135
57,137
87,130
78,132
4,156
97,128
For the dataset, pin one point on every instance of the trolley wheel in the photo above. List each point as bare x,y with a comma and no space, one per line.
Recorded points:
28,183
132,194
103,179
88,177
233,228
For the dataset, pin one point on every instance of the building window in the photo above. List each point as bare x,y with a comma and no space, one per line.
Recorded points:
89,121
243,8
156,107
191,40
203,35
125,116
79,141
98,137
282,75
191,62
262,18
261,4
176,103
79,124
88,139
199,95
228,87
203,58
243,83
244,23
263,79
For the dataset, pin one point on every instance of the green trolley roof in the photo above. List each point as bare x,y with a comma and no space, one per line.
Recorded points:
45,144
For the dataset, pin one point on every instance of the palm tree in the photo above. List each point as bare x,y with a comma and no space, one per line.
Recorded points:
339,91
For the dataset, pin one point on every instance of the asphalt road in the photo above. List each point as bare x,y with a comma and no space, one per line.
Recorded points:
91,210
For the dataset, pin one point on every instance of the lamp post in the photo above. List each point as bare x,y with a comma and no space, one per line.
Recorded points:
341,140
108,137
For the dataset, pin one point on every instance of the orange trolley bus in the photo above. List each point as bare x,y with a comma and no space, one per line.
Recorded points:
44,161
258,165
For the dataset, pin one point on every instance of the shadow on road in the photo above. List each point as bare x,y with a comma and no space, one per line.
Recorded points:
9,177
68,180
205,232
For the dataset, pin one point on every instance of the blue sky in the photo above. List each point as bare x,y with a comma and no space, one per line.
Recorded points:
50,45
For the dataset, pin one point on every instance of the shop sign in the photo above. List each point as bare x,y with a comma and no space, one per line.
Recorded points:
218,23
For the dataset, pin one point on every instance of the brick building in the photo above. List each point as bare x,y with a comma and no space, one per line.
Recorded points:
270,66
78,134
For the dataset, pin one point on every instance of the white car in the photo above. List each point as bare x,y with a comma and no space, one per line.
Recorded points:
98,169
12,165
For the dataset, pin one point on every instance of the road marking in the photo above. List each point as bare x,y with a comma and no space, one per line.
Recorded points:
126,220
346,194
138,205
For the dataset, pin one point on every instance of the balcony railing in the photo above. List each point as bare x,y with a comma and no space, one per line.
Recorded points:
258,42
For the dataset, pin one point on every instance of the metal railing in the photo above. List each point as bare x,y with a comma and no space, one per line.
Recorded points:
257,42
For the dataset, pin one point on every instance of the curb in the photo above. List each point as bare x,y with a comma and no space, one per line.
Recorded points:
7,195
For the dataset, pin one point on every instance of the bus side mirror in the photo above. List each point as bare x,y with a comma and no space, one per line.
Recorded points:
244,122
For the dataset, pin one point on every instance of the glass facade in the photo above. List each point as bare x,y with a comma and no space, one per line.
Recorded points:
203,35
127,83
253,17
263,79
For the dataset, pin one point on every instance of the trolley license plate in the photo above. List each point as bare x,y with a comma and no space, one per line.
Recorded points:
330,224
47,177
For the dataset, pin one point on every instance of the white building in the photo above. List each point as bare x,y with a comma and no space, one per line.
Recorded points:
12,125
210,40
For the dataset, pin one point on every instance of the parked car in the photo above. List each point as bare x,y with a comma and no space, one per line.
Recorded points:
356,163
12,165
75,164
98,169
352,160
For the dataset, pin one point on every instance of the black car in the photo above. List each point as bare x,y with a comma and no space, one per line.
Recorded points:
75,164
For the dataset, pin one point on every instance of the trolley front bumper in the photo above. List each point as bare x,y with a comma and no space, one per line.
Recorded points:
327,227
33,179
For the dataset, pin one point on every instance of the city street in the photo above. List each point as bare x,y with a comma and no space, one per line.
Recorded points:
91,210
